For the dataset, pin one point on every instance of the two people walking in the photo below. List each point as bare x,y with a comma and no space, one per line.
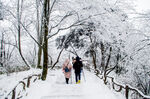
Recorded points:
77,66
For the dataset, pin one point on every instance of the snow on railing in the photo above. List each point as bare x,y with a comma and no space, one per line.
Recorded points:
138,91
13,94
126,88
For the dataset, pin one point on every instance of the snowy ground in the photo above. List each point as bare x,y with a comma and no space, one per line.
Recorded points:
55,88
7,83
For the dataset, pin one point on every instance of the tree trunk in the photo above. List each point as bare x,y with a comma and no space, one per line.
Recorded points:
39,35
2,50
102,57
93,53
45,24
45,55
40,51
39,57
94,59
106,67
19,31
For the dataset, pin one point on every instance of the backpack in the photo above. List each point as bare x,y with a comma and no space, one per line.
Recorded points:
66,69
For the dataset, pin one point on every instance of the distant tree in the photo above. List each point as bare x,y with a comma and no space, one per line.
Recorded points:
1,11
138,57
19,15
2,51
39,32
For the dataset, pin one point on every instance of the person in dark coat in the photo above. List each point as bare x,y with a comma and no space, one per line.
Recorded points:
77,66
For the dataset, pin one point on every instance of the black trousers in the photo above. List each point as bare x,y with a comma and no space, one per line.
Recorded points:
78,76
67,80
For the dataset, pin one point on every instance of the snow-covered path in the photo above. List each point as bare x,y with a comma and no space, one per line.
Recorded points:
55,88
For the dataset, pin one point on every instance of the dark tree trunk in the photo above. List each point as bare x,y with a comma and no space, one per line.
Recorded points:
2,49
45,55
39,55
102,57
94,59
106,67
45,41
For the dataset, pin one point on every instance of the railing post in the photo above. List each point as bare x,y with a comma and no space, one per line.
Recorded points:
112,80
28,81
105,80
127,92
14,94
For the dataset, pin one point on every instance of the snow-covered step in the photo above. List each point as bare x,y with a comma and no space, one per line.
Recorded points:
56,88
69,96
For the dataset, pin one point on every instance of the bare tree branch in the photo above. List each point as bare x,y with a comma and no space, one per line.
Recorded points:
58,58
52,6
65,17
25,28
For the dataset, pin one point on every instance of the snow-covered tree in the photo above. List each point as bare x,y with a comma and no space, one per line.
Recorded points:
1,11
105,27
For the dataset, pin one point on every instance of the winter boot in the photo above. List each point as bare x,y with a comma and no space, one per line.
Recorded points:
79,81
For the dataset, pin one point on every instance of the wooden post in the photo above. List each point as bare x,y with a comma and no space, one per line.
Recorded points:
112,80
105,79
14,93
28,81
127,92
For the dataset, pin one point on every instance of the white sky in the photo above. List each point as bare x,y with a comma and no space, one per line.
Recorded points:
143,5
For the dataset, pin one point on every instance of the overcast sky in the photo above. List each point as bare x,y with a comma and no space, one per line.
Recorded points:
143,5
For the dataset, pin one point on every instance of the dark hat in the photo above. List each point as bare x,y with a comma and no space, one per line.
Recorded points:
78,58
